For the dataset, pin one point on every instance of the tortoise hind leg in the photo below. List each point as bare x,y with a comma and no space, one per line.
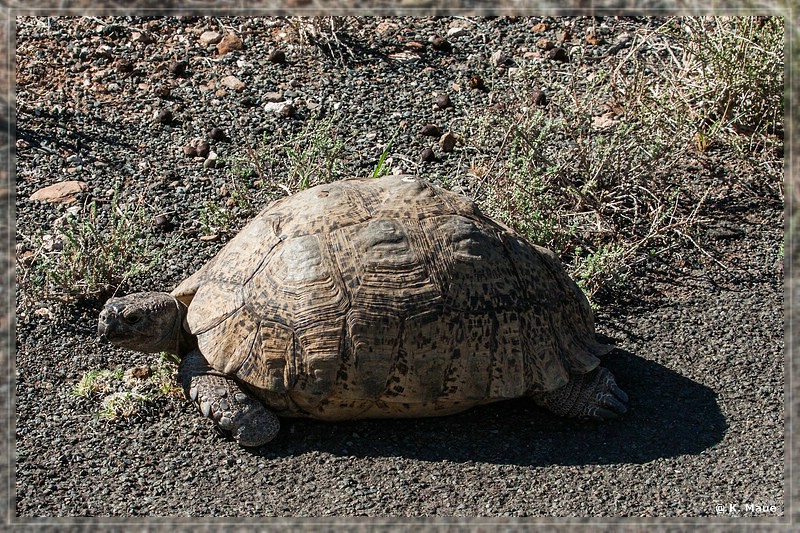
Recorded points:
223,401
593,396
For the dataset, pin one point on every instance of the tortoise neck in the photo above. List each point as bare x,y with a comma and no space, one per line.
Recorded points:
185,342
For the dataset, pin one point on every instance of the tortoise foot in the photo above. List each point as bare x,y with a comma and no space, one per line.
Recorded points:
592,396
221,399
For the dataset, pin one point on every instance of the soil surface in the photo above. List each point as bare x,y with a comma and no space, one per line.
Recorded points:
700,341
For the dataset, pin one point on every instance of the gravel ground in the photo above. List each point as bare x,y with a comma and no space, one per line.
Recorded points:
700,349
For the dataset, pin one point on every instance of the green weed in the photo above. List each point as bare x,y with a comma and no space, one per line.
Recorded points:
97,250
96,382
314,154
123,404
123,394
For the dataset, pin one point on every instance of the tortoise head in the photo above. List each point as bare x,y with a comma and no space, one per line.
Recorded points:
149,322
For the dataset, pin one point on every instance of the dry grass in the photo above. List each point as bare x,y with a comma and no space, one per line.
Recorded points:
596,173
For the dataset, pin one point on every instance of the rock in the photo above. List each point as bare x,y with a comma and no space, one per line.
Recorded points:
430,130
162,91
207,38
545,44
232,82
201,147
603,121
51,243
248,101
455,32
272,97
540,27
143,37
404,57
161,222
447,142
229,43
189,151
104,51
563,36
63,192
498,58
137,372
385,26
211,161
284,108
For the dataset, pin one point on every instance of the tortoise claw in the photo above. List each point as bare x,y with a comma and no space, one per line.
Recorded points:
603,414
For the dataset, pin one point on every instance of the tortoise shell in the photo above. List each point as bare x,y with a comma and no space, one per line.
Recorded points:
387,297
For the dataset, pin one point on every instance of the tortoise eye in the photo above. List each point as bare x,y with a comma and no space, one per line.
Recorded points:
132,318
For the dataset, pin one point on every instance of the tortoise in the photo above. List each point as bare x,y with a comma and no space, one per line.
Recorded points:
372,298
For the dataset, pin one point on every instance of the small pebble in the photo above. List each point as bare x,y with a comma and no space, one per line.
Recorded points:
217,134
164,116
229,43
232,82
208,38
162,91
137,372
124,65
539,98
447,142
211,161
202,148
284,109
277,56
558,54
142,37
162,222
476,82
545,44
455,32
498,58
593,39
178,68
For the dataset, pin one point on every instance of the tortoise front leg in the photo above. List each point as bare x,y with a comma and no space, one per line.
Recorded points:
223,401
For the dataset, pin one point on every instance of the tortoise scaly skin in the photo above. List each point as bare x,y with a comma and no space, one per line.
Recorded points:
373,298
